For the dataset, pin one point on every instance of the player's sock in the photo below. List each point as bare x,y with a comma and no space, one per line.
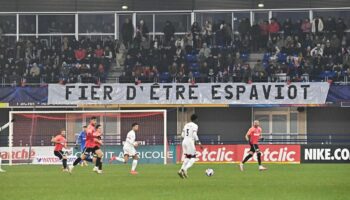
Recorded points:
190,163
98,162
77,161
259,158
0,162
100,166
185,163
247,158
133,165
64,162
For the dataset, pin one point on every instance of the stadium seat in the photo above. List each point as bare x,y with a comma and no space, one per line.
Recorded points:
244,57
282,57
266,57
191,58
196,74
327,74
265,64
282,77
194,67
164,77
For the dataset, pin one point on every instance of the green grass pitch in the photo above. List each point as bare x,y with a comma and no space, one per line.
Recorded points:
294,182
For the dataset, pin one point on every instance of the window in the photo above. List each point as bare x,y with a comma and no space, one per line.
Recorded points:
8,24
27,24
293,122
147,19
121,20
260,17
279,125
238,17
294,16
344,14
180,21
96,23
264,122
56,24
215,18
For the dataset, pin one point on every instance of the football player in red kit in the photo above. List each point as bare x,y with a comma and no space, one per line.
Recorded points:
253,135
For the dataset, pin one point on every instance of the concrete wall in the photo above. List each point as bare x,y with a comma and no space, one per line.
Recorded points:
231,123
328,121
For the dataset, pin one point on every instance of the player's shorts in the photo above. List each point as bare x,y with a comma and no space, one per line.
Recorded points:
188,147
254,148
130,150
96,148
88,151
59,154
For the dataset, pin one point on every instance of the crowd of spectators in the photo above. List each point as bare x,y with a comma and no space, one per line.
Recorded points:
210,52
304,50
63,61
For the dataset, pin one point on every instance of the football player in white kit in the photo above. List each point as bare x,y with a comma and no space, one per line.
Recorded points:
190,137
129,149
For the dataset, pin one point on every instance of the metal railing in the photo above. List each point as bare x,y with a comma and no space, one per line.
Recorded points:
192,15
275,138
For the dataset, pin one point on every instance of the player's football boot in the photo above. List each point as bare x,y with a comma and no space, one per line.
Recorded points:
133,172
70,169
262,168
180,174
184,173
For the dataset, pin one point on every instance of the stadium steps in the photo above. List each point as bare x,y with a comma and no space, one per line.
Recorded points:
254,57
114,73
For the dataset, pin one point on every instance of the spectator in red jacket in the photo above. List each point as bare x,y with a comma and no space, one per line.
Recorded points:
80,54
306,26
274,27
99,52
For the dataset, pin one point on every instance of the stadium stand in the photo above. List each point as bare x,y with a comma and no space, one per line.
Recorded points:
300,50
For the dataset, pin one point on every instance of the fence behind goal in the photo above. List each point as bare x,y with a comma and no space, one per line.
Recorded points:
31,133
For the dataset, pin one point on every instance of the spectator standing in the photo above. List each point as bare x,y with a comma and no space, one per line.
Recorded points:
169,31
207,32
127,32
340,27
274,27
195,30
264,33
306,27
256,36
287,27
317,25
143,29
244,27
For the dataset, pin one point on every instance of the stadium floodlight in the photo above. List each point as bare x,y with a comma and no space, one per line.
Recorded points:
124,7
261,5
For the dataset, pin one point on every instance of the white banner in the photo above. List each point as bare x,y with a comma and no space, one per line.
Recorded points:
36,155
186,93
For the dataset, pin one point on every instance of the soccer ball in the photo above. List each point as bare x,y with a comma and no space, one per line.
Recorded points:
209,172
